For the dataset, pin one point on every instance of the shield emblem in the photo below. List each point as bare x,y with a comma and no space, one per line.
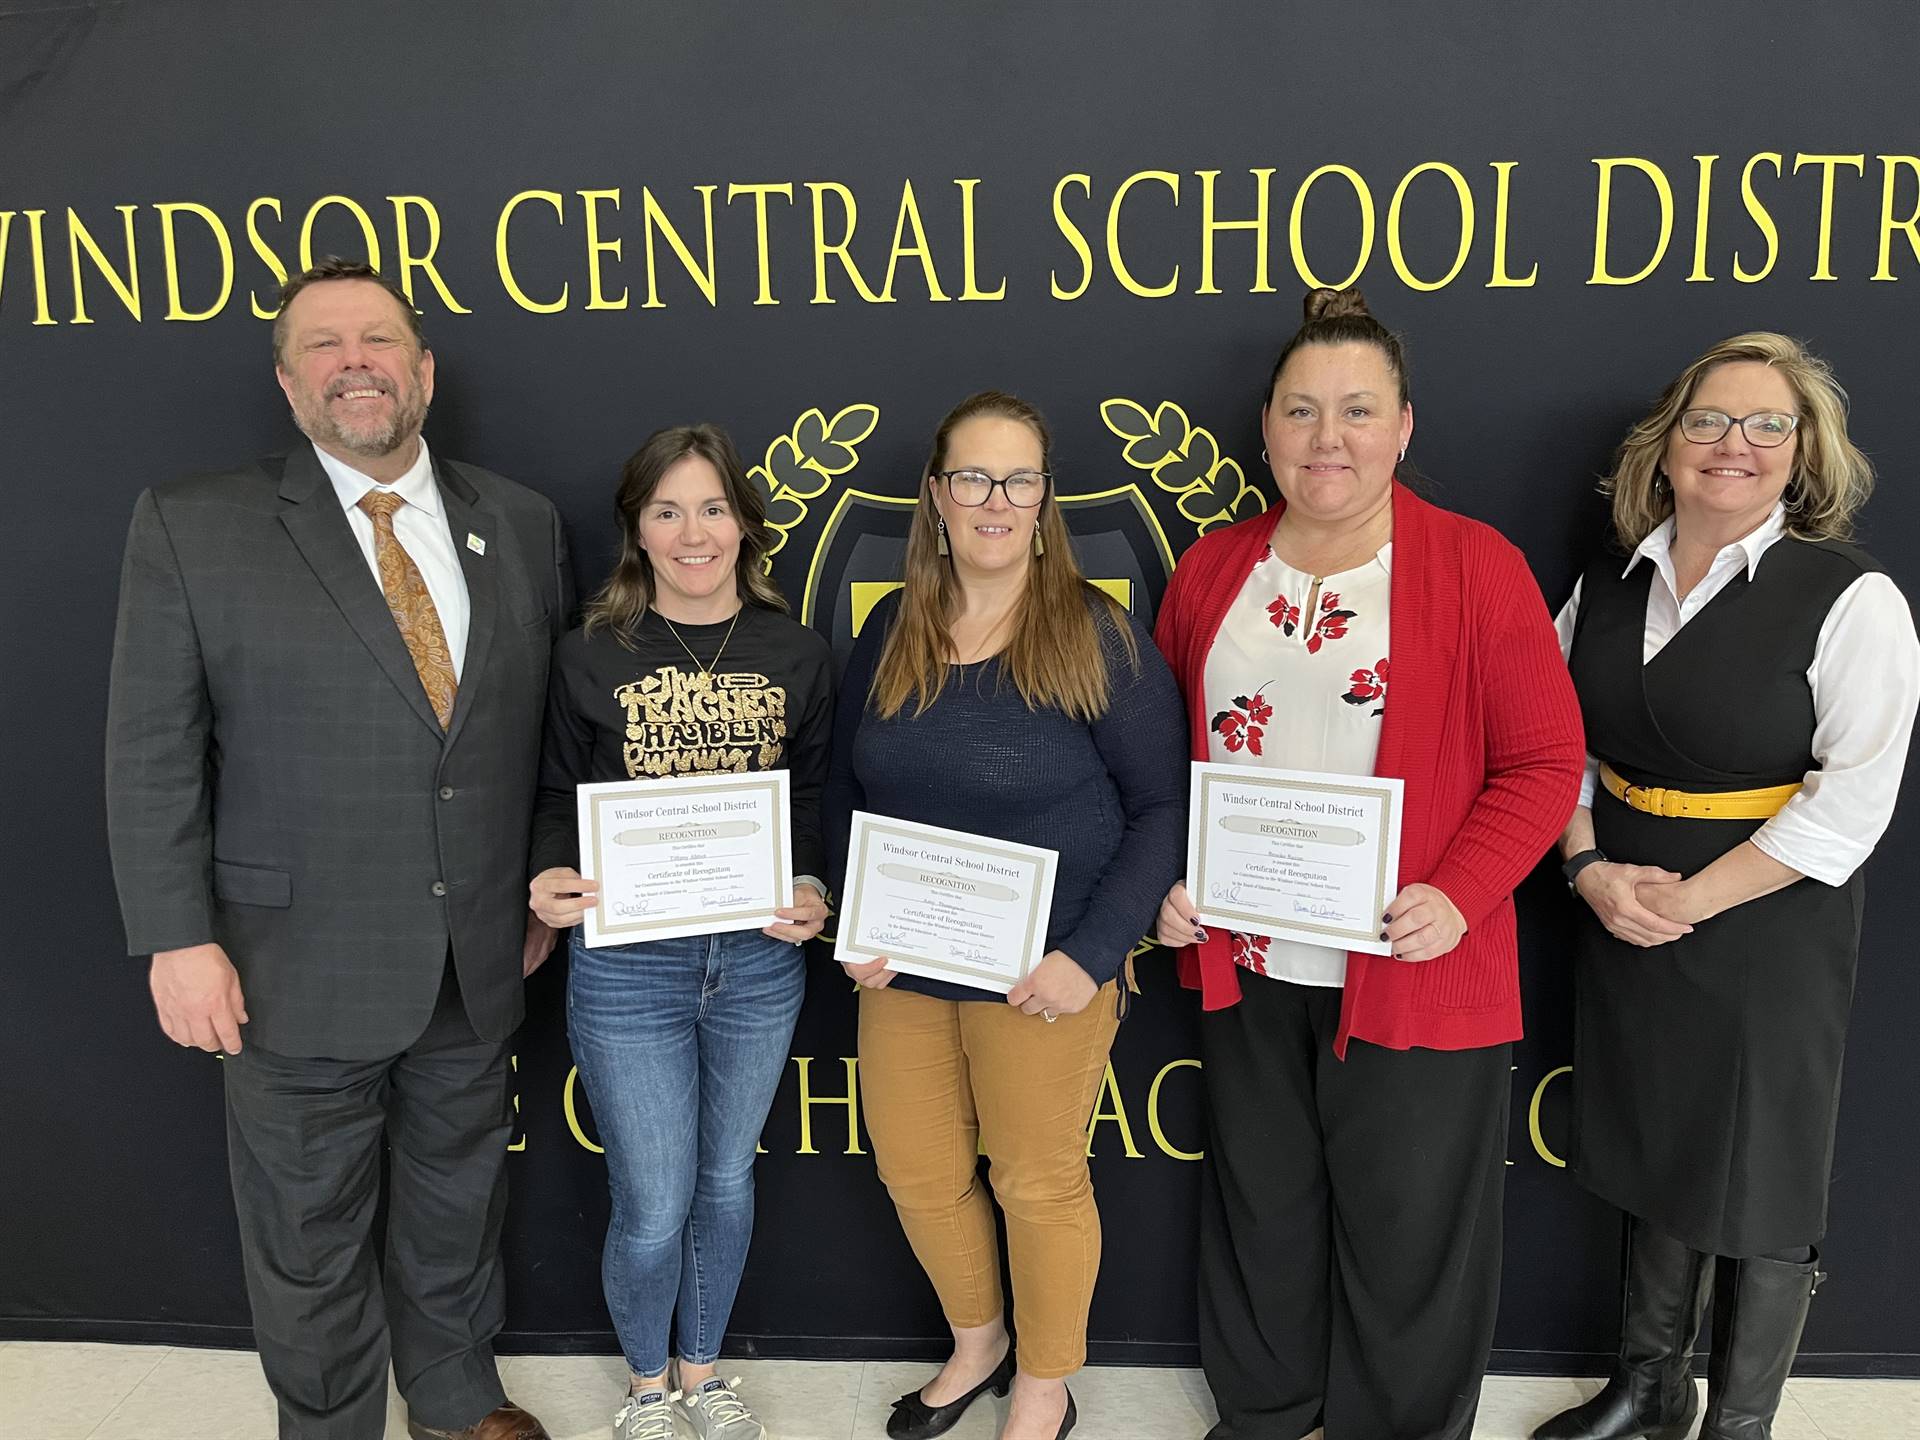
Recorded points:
862,549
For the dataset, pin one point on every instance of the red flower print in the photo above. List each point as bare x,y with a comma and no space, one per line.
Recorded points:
1284,613
1329,624
1368,686
1250,951
1241,728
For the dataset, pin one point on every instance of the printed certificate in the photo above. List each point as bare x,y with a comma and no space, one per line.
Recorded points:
1295,854
687,855
943,903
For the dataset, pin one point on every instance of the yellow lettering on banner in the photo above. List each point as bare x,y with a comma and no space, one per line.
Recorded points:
1703,208
507,277
1603,214
1109,1086
44,313
169,246
1075,237
6,235
761,249
1503,172
1153,1112
1823,264
568,1104
652,218
850,209
1394,252
1760,216
596,247
275,267
970,289
808,1100
1891,166
910,215
80,238
1209,227
1533,1117
407,262
521,1144
352,207
37,248
1298,246
1114,258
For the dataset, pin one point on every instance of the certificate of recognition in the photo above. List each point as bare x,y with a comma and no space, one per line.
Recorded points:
943,903
1295,854
685,855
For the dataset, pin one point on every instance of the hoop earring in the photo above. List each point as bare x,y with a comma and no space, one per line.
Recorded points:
1263,456
1403,455
1660,482
940,542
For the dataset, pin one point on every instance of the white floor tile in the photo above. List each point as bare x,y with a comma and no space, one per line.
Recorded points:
131,1392
63,1392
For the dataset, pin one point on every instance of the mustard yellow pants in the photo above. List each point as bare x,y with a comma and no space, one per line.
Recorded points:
942,1081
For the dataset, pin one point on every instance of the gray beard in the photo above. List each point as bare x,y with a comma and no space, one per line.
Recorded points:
370,444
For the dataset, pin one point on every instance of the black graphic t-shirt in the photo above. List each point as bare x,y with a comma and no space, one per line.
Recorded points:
615,713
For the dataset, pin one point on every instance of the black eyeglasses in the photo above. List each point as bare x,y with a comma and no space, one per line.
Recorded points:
1024,489
1765,428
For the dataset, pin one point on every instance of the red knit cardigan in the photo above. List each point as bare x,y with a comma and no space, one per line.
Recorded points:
1482,723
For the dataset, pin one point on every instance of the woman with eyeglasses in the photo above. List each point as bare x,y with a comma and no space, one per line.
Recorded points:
1749,682
1351,1194
999,693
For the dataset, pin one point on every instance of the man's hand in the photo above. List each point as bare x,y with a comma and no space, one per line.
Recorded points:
538,945
196,994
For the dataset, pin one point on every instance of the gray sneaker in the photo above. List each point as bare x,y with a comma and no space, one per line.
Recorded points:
646,1416
716,1413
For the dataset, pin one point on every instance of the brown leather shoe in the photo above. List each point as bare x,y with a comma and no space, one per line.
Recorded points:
509,1422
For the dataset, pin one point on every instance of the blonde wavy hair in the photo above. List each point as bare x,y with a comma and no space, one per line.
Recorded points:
1831,478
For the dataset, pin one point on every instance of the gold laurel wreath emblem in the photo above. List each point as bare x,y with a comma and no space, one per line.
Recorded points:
1184,460
800,465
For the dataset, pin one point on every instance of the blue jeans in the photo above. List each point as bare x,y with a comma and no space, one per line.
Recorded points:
680,1044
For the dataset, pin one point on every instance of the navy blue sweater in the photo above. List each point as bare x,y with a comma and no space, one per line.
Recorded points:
1111,797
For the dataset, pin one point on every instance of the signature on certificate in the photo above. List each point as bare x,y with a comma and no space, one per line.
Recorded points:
1317,910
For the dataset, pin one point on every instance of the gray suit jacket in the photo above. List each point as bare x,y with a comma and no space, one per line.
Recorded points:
276,779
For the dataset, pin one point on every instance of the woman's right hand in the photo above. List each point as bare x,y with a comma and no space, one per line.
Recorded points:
873,976
1609,889
560,896
1178,925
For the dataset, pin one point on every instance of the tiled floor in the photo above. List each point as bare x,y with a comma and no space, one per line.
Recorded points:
141,1392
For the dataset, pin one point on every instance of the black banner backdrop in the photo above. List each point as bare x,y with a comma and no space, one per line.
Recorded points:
820,226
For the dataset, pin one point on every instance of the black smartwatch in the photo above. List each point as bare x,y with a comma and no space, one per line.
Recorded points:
1575,864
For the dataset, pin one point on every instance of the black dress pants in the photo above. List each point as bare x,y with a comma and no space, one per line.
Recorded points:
304,1139
1349,1225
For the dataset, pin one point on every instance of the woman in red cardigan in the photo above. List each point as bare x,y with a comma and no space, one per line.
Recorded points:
1351,1199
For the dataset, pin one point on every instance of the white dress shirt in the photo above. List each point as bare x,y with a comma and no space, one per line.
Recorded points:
1297,679
1865,679
420,526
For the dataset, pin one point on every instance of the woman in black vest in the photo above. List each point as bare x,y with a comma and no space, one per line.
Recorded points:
1749,682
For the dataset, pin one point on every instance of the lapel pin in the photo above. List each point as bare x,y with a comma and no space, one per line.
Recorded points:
476,544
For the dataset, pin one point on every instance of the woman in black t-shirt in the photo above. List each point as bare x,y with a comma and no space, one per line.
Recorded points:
687,664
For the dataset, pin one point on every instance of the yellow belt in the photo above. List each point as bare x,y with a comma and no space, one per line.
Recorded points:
1684,804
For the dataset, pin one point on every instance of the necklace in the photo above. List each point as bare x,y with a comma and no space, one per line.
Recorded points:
705,670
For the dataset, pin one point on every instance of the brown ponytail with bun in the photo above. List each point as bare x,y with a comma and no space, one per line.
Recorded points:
1341,317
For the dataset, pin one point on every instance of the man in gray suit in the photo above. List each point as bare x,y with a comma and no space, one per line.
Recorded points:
323,733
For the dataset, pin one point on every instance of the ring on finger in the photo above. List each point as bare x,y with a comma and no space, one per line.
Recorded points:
1049,1016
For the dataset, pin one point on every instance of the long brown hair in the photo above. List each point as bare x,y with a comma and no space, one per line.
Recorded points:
623,600
1054,652
1830,480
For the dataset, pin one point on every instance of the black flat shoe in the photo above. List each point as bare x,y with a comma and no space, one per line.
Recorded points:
914,1419
1067,1420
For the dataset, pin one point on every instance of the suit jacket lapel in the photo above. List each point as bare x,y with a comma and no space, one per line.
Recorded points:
469,520
319,528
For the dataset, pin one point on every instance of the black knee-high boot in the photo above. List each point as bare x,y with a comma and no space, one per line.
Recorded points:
1759,1309
1650,1393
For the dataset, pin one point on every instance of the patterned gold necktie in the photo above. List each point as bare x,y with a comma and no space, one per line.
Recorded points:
411,605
